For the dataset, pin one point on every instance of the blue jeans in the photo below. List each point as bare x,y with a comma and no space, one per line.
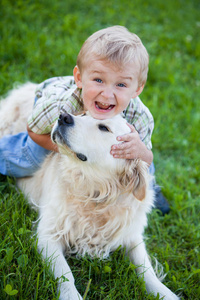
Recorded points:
152,169
20,156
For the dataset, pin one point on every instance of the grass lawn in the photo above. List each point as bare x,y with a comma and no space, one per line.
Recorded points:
41,39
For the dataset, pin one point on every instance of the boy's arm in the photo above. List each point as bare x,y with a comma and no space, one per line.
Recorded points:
44,140
132,147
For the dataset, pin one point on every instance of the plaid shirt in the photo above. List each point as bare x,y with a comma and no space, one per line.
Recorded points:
60,94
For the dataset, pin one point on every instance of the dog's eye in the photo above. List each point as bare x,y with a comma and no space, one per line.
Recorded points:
83,114
103,127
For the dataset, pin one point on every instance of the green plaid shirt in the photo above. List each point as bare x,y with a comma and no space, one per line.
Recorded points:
60,94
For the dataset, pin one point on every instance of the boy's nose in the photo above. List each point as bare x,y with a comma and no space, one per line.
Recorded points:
107,93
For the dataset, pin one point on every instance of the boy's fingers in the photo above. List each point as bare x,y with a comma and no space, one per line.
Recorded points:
127,137
122,146
131,127
121,153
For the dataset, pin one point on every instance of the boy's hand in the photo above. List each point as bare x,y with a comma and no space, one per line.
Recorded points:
131,147
44,140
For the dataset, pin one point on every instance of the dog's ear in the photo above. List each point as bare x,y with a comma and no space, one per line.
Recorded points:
134,178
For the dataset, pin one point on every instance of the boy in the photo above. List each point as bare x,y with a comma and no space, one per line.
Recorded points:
111,72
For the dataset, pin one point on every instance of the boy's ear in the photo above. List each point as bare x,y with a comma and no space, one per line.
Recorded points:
77,77
138,91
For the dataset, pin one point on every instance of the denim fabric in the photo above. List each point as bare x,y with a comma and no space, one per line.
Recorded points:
20,156
152,169
152,172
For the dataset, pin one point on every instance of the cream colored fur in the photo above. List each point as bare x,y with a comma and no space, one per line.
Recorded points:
91,206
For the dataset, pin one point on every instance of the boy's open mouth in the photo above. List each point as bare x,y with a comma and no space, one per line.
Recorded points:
104,106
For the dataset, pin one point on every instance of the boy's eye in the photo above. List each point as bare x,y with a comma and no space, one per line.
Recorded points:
121,85
98,80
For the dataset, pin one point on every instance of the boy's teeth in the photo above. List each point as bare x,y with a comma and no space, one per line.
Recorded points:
103,105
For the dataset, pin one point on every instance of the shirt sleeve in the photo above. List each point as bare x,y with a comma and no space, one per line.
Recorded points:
140,117
44,114
50,96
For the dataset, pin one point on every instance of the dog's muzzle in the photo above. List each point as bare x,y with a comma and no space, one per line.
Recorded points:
66,119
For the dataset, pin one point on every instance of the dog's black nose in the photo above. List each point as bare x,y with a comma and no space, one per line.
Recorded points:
65,119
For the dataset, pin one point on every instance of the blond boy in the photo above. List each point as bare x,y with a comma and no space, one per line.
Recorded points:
111,72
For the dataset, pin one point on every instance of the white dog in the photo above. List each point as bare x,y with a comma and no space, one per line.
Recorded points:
88,201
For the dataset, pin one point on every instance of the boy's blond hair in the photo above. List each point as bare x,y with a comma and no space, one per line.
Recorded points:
117,45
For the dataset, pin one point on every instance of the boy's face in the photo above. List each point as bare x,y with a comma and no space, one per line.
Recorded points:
106,89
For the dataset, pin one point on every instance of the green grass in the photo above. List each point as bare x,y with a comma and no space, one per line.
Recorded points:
41,39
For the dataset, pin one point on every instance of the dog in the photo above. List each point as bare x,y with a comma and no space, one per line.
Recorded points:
88,201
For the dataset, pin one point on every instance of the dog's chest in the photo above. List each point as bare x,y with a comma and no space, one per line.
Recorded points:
96,229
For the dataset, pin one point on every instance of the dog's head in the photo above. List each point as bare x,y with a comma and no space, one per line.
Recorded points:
88,141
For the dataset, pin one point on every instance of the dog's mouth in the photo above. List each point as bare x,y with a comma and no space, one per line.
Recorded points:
64,146
104,106
81,156
57,138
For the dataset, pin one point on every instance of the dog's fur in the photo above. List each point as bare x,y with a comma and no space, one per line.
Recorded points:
88,201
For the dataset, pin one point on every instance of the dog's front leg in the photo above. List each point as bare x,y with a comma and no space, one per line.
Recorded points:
53,252
139,257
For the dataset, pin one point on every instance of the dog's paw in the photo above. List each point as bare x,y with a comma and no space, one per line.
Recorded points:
69,292
75,296
167,294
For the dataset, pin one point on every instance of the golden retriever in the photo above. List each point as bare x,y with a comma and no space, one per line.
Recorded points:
88,201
